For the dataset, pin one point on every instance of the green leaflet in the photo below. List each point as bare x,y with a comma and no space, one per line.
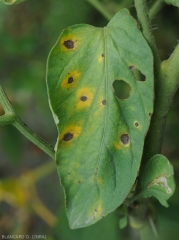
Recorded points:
157,179
101,137
173,2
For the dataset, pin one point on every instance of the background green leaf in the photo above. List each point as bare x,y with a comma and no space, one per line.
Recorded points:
101,133
157,179
173,2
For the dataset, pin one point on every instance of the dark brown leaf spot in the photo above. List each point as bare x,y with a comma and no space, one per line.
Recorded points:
125,139
104,102
102,55
68,136
69,44
83,98
70,80
136,124
131,67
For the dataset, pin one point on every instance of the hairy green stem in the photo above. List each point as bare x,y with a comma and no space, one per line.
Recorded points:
5,101
166,86
149,231
156,7
6,119
99,6
142,14
10,117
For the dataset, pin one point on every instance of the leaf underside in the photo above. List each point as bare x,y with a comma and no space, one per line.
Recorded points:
157,179
10,2
101,136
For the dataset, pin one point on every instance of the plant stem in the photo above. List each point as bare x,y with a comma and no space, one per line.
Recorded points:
142,14
156,7
101,9
5,101
10,117
166,86
149,231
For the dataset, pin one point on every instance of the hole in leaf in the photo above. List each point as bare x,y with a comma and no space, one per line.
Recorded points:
70,80
121,89
67,136
69,44
83,98
125,139
104,102
137,74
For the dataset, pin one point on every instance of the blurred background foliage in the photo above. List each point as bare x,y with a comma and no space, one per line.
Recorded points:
31,198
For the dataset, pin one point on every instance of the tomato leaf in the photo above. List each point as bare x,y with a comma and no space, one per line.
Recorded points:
101,128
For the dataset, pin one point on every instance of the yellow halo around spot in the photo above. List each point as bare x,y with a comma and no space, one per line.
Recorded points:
100,58
117,145
75,75
73,129
87,92
66,37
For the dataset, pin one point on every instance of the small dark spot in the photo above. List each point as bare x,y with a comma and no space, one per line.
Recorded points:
83,98
96,210
67,136
150,114
70,80
61,59
136,124
131,67
125,139
79,181
104,102
69,44
69,173
102,55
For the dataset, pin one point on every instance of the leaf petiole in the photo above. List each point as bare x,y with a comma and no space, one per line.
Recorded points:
10,117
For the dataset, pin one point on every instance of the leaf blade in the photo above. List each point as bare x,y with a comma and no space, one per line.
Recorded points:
101,138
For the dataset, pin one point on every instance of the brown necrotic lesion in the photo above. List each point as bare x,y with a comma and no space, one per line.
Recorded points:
69,44
83,98
67,137
104,102
125,139
70,80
